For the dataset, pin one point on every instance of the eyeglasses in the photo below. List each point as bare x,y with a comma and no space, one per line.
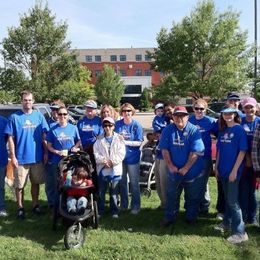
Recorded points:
127,110
199,108
107,125
62,114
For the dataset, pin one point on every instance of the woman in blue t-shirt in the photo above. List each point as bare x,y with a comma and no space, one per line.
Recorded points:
132,132
232,147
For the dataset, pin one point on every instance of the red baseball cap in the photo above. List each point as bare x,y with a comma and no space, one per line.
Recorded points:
180,110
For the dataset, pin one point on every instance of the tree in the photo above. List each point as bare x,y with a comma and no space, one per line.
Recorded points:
206,53
146,100
109,87
37,48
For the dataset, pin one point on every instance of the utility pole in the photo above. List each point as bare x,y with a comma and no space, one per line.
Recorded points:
255,70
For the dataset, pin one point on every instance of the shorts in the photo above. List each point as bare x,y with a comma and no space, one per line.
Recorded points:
34,170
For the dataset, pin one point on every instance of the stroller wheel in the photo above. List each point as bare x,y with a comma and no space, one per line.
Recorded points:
74,237
95,215
147,192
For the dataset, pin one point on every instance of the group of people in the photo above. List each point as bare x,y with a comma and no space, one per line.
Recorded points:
36,147
184,162
183,158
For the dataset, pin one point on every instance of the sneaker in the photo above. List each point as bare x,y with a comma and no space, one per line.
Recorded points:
220,216
36,210
238,238
21,214
114,216
222,228
135,211
3,213
166,223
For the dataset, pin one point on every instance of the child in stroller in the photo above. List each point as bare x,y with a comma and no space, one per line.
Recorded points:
147,163
77,198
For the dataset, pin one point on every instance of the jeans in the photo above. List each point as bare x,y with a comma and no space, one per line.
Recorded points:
2,187
161,180
76,204
220,199
247,196
233,213
113,195
205,200
131,170
193,190
51,183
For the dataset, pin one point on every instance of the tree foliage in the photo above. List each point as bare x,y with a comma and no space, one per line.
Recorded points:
146,100
206,53
37,49
109,87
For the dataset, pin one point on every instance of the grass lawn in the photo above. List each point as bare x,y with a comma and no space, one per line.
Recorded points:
129,237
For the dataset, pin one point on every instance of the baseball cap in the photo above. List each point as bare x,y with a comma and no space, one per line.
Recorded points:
180,110
109,119
91,104
159,105
232,96
249,101
229,110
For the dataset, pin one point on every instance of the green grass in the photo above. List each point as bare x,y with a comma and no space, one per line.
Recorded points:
129,237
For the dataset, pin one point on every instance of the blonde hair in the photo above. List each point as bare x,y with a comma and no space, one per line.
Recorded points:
201,101
127,105
111,110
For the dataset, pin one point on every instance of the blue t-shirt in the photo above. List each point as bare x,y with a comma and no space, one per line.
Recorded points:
89,129
159,123
230,142
27,130
131,132
51,122
180,143
206,126
3,140
250,127
62,138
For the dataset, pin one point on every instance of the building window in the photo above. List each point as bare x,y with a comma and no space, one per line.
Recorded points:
122,73
98,58
88,58
138,57
147,57
147,73
122,57
97,73
113,58
138,72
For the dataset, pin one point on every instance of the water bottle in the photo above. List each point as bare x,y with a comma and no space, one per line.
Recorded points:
68,179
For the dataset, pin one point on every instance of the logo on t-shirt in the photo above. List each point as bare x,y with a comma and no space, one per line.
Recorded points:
87,128
62,136
227,138
28,124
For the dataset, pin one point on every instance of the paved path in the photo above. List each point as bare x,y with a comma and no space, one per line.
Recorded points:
145,119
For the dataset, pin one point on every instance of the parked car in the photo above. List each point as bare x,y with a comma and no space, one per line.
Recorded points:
209,111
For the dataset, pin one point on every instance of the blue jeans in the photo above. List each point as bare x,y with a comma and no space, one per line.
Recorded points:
247,196
113,195
233,213
74,204
193,190
221,204
133,171
2,187
205,200
51,183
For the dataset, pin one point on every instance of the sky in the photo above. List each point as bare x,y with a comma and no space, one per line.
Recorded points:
121,24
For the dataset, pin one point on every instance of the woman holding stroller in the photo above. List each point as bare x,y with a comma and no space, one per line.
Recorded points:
132,132
109,151
62,138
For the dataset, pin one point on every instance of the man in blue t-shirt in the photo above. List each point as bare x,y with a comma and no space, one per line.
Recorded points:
3,163
182,149
26,131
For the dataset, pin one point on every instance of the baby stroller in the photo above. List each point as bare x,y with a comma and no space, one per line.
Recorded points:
147,164
75,235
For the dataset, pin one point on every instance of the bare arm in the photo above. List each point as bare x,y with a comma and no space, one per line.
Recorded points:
191,160
166,155
233,174
11,146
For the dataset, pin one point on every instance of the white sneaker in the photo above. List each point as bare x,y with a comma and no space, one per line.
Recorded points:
115,216
220,216
3,213
222,228
237,238
135,211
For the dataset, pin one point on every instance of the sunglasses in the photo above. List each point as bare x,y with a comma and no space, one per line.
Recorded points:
199,108
62,114
107,125
127,110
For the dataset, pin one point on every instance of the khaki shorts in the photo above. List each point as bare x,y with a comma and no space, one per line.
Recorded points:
34,170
